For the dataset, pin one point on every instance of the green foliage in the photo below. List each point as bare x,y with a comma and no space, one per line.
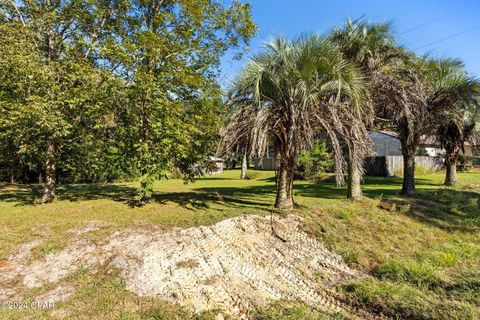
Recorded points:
51,94
120,89
364,42
144,193
171,52
316,161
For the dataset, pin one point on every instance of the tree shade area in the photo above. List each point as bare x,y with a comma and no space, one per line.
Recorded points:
119,152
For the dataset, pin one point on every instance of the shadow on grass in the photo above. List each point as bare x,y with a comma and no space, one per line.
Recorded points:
253,197
214,178
22,194
80,192
373,187
196,199
31,194
450,209
447,209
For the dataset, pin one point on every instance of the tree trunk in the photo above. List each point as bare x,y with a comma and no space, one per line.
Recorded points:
408,187
451,175
243,174
144,170
354,188
50,171
284,199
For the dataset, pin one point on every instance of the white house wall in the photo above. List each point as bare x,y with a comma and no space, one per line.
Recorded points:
385,145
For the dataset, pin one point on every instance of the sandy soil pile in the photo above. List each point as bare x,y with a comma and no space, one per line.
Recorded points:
233,265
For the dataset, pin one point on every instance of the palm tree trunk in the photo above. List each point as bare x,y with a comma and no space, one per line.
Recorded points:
50,172
284,199
339,180
243,174
451,166
408,187
354,188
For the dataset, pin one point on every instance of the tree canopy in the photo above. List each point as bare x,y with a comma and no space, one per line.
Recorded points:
125,87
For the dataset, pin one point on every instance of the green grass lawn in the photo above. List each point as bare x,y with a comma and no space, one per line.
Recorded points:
423,253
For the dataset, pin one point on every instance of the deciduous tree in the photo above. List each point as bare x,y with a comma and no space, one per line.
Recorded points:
169,53
50,87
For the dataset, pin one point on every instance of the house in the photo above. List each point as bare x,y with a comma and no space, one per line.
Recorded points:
216,167
386,143
389,160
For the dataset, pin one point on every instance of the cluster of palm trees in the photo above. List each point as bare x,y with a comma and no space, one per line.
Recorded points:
353,79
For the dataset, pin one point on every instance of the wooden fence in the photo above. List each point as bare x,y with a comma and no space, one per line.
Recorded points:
388,166
264,163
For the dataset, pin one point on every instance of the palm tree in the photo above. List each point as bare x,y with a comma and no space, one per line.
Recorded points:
412,92
456,128
368,46
298,86
236,132
457,125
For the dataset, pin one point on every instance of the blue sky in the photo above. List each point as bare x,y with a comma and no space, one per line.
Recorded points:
293,17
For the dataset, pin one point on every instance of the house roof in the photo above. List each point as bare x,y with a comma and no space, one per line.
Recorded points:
215,159
390,133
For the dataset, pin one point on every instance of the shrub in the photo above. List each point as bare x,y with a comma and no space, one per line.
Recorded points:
314,162
465,163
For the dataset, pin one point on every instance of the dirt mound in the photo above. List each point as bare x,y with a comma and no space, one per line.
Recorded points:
233,265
